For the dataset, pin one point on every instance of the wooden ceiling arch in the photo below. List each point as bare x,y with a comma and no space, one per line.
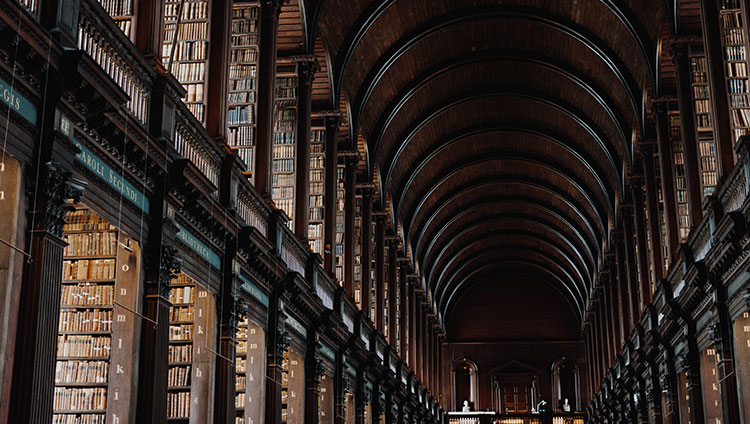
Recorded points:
594,231
485,56
501,132
470,271
467,248
571,236
455,250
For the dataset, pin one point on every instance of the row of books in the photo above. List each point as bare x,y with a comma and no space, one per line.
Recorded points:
283,138
245,12
240,365
241,136
81,372
242,71
87,295
247,96
80,399
283,151
700,91
79,419
283,179
79,346
182,295
738,86
246,155
84,269
734,53
190,71
244,25
316,210
739,100
178,376
239,400
703,122
283,165
733,35
117,8
91,244
284,119
731,20
286,87
240,346
190,10
181,353
186,50
85,220
702,106
244,55
316,187
125,26
184,313
241,114
187,31
741,117
178,405
244,40
182,332
239,383
282,192
86,320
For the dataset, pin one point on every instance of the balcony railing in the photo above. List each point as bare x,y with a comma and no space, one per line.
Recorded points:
102,39
480,417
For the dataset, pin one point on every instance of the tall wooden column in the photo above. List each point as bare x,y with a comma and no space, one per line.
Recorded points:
39,309
380,272
689,362
622,288
218,62
687,130
278,342
412,325
361,399
306,68
403,348
712,36
266,80
393,290
148,30
722,334
331,192
418,350
644,290
350,162
666,167
652,206
615,319
631,276
314,369
229,311
366,251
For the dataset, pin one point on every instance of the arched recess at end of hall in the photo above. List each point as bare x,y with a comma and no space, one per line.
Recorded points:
566,381
465,384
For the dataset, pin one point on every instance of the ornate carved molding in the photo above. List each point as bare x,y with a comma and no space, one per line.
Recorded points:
169,268
55,188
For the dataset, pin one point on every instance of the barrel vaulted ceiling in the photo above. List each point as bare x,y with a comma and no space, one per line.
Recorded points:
500,130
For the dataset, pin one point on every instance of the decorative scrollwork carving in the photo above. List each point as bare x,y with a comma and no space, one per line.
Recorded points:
714,332
169,268
55,188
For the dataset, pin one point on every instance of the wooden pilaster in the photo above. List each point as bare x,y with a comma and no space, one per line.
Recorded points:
305,72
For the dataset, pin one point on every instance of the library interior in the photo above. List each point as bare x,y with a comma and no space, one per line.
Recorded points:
374,211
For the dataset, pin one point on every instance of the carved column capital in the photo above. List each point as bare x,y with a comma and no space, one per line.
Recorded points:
169,268
272,6
52,190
